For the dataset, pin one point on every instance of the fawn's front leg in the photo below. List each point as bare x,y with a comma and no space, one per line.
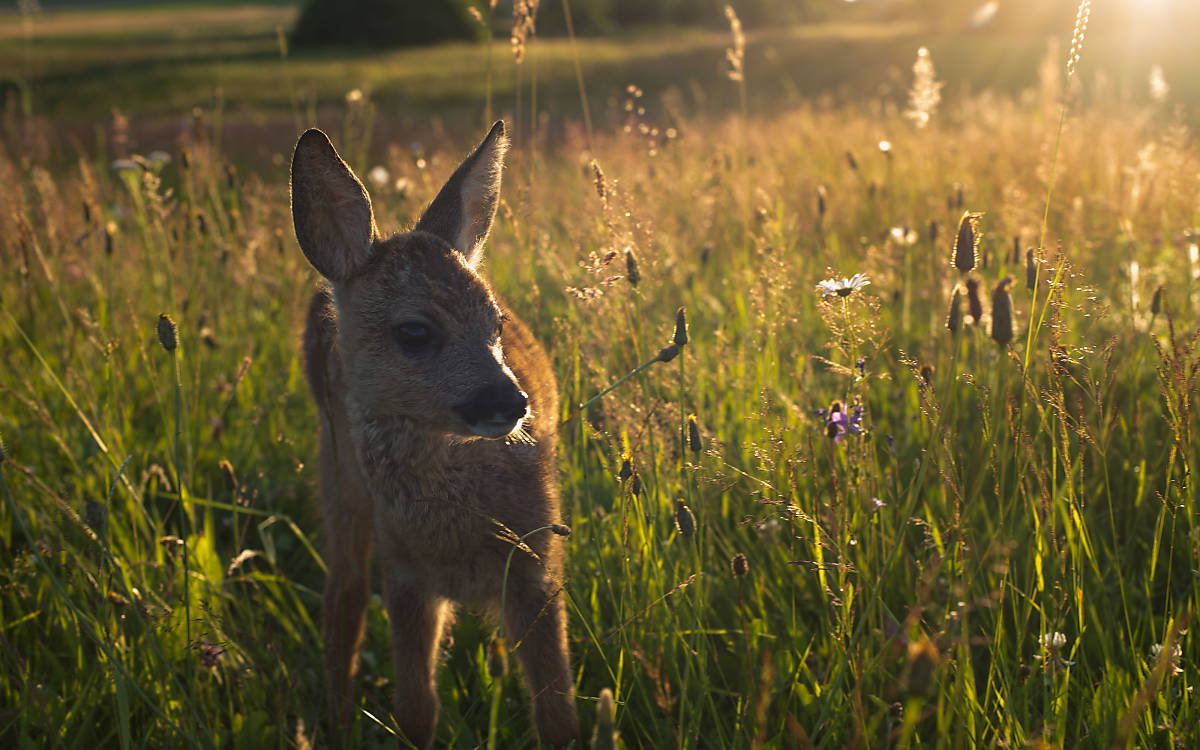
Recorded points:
347,526
417,619
535,619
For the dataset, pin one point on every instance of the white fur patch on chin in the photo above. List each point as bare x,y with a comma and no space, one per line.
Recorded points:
494,430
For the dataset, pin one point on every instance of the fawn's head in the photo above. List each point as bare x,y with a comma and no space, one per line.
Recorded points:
418,327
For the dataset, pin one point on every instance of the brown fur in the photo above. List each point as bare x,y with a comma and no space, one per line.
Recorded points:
400,464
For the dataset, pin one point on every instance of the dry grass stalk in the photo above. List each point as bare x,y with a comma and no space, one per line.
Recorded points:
736,55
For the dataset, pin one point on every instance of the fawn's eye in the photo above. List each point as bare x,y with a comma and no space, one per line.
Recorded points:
413,337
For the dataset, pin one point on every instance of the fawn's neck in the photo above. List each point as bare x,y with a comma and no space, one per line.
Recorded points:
401,459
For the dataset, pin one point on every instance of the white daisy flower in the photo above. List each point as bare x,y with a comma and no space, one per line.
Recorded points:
843,287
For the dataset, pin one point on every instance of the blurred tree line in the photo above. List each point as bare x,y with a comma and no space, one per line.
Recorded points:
395,23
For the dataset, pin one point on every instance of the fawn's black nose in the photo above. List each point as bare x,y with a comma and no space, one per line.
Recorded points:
495,409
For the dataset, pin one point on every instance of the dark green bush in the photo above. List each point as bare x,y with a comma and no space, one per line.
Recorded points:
383,23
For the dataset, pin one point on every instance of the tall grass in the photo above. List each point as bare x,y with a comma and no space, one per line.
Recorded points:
982,550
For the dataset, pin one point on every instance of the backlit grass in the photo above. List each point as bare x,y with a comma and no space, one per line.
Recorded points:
990,557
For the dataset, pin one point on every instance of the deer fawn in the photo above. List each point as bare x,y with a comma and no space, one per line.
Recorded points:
438,416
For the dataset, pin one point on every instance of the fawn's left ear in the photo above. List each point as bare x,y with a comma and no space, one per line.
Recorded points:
330,209
462,212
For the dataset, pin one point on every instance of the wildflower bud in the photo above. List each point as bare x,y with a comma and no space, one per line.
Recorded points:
631,267
1031,270
693,434
739,565
967,242
685,522
667,353
228,475
974,303
110,231
168,334
497,659
1156,302
681,333
954,319
1002,313
605,735
626,468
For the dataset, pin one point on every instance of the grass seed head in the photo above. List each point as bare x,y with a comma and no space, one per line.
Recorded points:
626,468
1002,313
974,303
635,486
923,658
954,318
1156,302
631,267
110,232
927,375
934,231
3,450
681,332
693,434
227,474
667,353
966,244
598,180
739,565
497,658
685,522
822,195
1031,270
168,333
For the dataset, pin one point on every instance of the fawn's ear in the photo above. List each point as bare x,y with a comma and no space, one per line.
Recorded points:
462,212
330,209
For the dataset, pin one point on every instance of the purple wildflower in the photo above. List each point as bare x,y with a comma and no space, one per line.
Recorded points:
839,423
861,364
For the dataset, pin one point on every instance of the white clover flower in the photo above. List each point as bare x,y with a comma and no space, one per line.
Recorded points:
1054,641
1173,658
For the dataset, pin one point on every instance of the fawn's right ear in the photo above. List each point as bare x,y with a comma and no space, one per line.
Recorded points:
330,209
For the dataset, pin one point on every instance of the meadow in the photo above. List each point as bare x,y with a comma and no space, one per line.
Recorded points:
951,508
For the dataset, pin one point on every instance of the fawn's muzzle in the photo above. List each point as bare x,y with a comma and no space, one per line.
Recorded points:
495,410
